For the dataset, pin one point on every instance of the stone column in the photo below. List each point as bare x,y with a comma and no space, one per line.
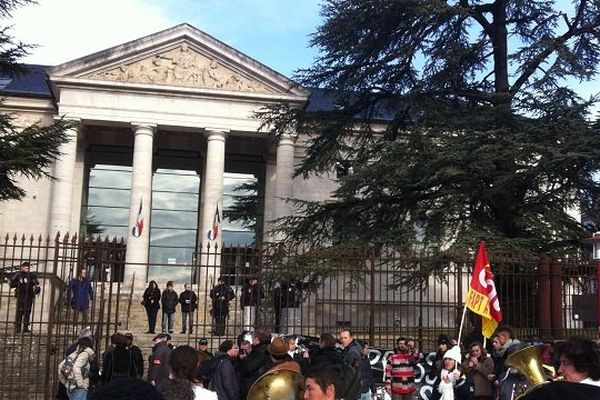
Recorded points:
284,178
140,204
212,197
61,202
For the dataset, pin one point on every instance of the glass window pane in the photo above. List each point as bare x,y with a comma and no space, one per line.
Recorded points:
175,201
107,216
174,219
237,185
171,255
188,183
110,178
103,231
108,197
173,237
235,238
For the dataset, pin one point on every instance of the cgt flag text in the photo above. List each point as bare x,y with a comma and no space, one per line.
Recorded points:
482,297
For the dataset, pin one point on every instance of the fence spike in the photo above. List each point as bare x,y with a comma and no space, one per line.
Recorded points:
74,238
6,237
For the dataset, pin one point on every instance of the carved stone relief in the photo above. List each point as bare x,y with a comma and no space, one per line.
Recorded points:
181,66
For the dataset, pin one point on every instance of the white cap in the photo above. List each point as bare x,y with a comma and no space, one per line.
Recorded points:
454,354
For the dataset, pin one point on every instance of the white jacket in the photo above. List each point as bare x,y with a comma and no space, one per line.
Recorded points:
447,381
81,370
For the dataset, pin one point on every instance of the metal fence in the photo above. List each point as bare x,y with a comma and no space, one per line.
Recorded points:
378,294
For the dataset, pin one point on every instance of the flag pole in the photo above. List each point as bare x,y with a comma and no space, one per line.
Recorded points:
462,322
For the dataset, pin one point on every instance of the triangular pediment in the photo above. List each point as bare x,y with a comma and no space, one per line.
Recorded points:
182,57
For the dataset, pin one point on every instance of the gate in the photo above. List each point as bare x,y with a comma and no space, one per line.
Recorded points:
29,360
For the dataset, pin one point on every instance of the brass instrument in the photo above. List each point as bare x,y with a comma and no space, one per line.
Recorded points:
281,384
528,361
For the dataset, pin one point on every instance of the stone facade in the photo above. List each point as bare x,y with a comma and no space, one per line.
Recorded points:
176,91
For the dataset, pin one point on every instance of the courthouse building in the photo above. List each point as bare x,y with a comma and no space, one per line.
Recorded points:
165,143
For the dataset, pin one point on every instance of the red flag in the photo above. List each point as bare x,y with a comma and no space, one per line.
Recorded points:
482,297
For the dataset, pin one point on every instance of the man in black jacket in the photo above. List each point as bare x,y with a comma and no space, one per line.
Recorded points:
136,353
220,295
250,367
26,288
250,299
189,303
168,301
224,379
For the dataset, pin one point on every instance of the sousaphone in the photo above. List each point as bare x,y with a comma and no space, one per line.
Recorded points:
528,361
281,384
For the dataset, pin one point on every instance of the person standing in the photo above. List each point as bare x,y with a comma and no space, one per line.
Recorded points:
400,372
352,356
136,353
189,303
184,383
80,294
119,363
220,295
224,379
78,382
158,371
291,298
151,302
252,295
26,288
169,304
478,367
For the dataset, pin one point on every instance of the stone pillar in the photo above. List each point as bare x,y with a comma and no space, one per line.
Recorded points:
61,201
140,204
284,178
212,198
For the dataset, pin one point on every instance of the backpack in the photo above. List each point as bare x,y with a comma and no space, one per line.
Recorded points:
65,368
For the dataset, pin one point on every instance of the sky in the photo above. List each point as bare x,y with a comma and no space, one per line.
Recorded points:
274,32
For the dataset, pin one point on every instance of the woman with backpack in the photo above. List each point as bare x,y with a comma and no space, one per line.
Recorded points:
74,371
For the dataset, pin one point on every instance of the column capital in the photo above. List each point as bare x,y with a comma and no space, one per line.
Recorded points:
216,133
287,139
143,128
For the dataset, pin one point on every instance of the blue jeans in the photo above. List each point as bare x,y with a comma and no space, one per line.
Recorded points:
366,396
167,321
77,394
184,318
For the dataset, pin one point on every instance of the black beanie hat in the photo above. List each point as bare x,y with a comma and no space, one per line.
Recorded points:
443,339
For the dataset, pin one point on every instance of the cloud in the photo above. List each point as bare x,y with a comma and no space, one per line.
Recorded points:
68,29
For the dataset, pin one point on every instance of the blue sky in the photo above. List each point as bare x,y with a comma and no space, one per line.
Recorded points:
274,32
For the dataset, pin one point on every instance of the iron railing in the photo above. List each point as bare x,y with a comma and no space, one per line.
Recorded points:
378,294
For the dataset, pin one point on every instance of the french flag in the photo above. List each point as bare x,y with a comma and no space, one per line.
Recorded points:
213,232
136,230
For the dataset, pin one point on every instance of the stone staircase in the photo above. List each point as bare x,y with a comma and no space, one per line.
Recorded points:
137,324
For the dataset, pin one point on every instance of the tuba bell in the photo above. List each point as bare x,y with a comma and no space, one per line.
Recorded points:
528,361
280,384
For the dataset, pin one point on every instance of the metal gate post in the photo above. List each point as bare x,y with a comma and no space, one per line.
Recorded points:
50,347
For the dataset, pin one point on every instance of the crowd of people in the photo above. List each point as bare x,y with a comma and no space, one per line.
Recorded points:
336,368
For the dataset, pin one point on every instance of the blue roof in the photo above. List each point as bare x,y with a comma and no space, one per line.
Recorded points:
32,83
324,100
